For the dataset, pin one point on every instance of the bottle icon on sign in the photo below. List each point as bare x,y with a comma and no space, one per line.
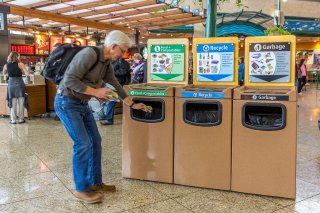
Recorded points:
200,56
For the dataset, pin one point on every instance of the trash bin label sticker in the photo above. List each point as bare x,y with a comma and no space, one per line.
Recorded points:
146,93
167,62
265,97
202,95
269,62
215,62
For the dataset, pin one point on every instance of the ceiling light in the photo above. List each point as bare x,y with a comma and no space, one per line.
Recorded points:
142,37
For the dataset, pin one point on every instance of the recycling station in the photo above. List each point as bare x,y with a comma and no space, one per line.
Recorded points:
213,133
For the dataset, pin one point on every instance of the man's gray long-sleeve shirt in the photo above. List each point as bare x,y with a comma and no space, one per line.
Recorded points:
78,74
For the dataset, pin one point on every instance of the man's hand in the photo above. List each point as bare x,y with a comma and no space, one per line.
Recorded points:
141,106
105,94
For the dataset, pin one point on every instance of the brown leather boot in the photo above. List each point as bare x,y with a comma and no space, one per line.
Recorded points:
88,197
103,188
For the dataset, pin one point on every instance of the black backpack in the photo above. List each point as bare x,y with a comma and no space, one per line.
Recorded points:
60,59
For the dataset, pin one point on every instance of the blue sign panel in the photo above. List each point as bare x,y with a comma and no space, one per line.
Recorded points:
211,48
215,62
208,95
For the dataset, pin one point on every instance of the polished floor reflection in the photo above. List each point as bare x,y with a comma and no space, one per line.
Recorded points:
35,173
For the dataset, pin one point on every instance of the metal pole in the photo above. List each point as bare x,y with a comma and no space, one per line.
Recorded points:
211,18
137,40
279,4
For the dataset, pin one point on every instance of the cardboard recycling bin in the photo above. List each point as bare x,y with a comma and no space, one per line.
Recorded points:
148,137
202,142
264,137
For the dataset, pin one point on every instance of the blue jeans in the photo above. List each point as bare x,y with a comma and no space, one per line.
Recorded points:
108,111
78,120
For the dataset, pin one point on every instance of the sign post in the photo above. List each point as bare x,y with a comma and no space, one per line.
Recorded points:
4,35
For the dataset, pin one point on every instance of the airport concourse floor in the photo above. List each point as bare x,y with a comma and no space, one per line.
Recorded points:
35,173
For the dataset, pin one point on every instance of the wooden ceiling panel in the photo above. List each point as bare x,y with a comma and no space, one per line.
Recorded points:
146,16
115,9
22,11
81,6
163,19
175,24
130,13
87,5
45,3
171,21
120,14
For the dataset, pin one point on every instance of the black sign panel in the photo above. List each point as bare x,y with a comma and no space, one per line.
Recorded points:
263,97
269,47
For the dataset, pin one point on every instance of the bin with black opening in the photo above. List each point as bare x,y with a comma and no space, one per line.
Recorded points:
202,147
264,135
148,136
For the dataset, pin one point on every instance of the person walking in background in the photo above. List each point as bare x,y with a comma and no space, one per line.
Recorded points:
77,87
137,69
302,75
241,71
17,92
122,71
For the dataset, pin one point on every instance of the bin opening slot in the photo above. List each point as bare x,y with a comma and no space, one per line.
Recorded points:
202,113
156,115
264,117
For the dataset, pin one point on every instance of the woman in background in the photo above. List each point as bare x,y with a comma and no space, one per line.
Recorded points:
137,69
17,91
303,72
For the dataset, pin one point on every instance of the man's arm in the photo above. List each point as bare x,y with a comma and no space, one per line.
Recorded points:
111,79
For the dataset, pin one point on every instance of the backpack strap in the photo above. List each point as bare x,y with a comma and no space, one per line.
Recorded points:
98,57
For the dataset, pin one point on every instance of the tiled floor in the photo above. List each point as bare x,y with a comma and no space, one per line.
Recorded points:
35,174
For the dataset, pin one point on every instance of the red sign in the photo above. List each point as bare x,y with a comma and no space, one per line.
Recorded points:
42,44
53,41
23,49
126,55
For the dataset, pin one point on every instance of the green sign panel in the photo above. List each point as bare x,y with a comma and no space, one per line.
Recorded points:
146,93
167,62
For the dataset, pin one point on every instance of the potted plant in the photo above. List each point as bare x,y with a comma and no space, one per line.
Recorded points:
276,31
